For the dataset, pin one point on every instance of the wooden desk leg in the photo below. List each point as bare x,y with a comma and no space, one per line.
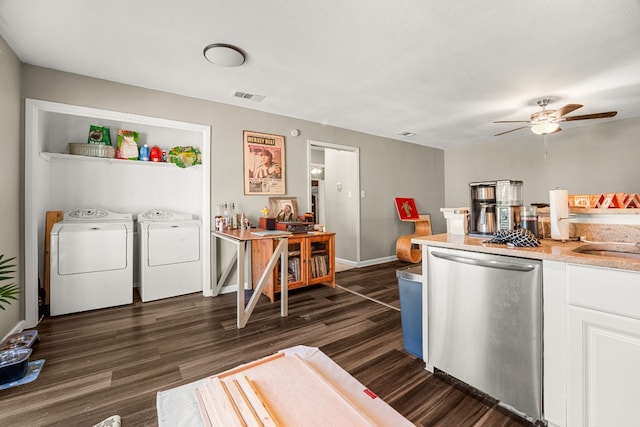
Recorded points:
241,319
213,262
280,253
242,251
284,280
215,282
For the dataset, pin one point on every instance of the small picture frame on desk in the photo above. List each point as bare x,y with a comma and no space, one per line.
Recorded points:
406,208
285,209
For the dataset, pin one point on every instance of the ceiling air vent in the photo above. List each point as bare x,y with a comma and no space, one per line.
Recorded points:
249,96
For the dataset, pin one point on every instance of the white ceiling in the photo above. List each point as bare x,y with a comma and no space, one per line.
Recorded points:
443,70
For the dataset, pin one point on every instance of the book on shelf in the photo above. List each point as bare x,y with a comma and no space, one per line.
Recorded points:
294,269
319,265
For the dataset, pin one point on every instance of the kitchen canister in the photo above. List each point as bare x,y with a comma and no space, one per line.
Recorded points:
529,219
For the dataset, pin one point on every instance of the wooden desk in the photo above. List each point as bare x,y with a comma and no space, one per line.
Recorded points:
242,240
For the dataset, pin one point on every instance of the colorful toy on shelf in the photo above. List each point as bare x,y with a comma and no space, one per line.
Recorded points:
156,154
185,156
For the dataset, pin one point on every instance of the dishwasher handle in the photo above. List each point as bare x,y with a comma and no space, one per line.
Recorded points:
484,263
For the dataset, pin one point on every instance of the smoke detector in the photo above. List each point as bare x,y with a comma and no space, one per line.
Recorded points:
224,55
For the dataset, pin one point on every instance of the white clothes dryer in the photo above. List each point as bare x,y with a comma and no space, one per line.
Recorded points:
91,261
170,254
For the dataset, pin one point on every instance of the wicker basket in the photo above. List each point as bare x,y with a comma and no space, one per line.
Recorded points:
91,150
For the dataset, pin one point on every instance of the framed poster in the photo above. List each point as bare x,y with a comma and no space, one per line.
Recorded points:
406,207
264,163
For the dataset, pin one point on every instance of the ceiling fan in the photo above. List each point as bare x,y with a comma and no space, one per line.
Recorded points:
545,122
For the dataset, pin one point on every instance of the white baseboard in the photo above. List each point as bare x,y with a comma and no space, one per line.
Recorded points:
231,288
368,262
346,262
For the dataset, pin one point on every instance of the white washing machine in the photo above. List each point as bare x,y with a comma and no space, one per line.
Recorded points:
170,254
91,261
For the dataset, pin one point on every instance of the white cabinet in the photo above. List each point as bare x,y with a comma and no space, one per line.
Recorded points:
603,346
60,182
554,347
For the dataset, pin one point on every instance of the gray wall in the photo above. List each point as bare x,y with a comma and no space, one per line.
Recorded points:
10,175
398,170
598,158
388,168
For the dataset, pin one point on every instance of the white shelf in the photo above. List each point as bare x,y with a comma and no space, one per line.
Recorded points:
77,158
606,211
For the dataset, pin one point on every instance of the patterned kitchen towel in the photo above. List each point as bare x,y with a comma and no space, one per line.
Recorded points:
113,421
519,238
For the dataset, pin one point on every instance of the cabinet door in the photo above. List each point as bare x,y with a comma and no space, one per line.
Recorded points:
296,256
320,259
603,368
261,251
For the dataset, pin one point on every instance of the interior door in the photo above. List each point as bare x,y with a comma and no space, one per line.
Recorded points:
340,198
342,201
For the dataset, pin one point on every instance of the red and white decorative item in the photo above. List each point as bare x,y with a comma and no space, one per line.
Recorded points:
406,207
156,154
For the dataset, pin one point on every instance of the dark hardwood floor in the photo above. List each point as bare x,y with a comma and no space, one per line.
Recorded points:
114,361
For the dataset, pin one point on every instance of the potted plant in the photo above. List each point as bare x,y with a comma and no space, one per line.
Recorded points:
7,292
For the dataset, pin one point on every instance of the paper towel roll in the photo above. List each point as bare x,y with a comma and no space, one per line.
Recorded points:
559,214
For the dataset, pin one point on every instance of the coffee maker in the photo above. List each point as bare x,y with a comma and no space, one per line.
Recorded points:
495,206
508,204
482,220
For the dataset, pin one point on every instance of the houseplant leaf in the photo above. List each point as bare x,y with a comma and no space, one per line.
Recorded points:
7,292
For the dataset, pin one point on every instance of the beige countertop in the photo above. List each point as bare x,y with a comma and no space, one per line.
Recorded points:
550,250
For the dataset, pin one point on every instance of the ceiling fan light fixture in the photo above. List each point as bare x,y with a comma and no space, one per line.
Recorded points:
544,127
224,55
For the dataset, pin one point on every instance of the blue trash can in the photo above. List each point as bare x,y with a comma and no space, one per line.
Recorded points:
410,286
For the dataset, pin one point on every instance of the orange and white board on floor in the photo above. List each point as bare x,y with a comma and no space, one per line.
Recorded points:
288,390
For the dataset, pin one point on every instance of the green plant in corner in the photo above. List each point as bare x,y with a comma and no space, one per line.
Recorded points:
7,292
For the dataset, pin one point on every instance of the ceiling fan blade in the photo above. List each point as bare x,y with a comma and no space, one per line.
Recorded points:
512,121
591,116
565,110
556,131
502,133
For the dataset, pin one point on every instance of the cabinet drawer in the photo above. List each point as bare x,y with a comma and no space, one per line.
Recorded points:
610,290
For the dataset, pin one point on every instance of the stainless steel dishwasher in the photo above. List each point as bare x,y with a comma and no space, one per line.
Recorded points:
485,324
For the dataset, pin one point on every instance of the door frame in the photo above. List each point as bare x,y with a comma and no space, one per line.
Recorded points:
313,143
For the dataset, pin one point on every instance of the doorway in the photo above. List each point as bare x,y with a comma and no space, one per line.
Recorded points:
334,195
